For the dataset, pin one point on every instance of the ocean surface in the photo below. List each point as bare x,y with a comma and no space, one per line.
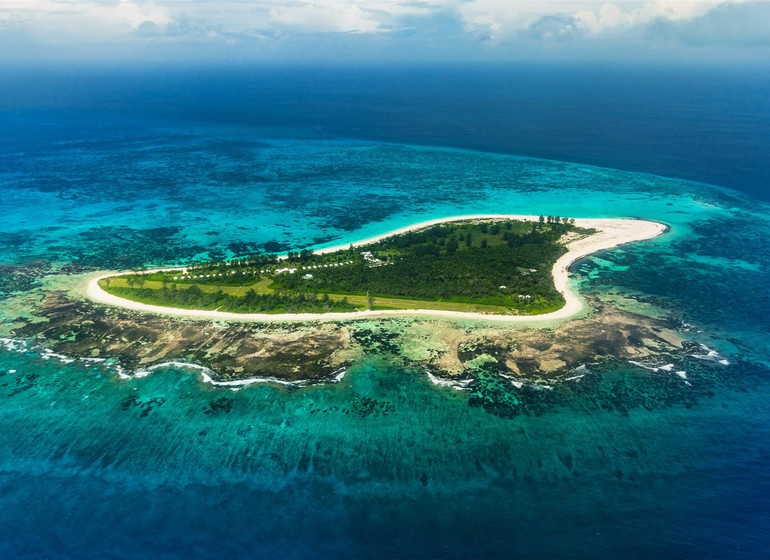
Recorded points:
104,168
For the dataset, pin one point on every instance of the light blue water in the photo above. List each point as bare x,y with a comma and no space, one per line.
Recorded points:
626,464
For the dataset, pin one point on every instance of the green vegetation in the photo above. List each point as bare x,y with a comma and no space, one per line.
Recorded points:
194,297
484,266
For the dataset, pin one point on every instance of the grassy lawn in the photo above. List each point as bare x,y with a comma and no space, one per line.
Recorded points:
360,301
400,303
261,287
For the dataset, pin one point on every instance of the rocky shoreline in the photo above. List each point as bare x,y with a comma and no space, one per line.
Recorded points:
451,351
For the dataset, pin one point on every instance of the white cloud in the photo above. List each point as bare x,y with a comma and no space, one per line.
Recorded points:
491,19
342,16
436,25
136,14
121,11
612,16
68,20
504,21
99,17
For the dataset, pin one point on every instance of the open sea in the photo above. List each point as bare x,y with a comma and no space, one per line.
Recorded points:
111,167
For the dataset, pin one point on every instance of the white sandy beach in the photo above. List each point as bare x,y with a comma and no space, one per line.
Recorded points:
610,233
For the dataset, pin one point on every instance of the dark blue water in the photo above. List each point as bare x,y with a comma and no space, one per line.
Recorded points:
103,168
709,123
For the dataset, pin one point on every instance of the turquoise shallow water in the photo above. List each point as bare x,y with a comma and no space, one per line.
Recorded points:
383,464
291,474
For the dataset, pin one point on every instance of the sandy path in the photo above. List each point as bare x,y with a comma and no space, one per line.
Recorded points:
610,233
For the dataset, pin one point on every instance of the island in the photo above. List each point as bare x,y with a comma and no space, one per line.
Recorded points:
497,267
487,342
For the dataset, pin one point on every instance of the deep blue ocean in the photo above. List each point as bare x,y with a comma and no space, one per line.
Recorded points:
115,167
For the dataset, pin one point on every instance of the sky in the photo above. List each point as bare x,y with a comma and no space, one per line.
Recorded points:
383,30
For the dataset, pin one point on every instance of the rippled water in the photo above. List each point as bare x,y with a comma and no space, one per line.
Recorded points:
384,464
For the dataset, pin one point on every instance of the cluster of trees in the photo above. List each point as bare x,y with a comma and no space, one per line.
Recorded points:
195,298
299,256
226,273
561,223
453,237
135,280
431,270
242,271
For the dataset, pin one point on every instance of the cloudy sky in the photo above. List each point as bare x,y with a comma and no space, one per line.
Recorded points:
390,30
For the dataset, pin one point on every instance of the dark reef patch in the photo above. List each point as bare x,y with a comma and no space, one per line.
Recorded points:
24,382
360,406
222,405
273,247
378,340
145,406
117,247
367,406
612,386
21,277
234,351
